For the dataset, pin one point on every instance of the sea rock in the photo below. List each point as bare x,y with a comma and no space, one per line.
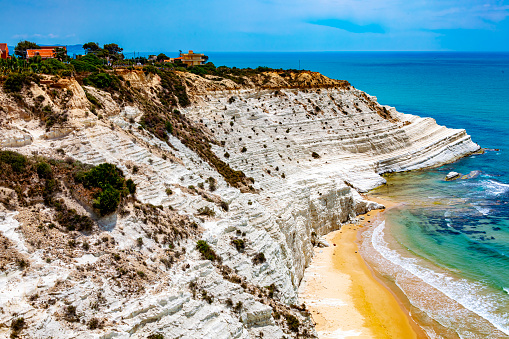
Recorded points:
471,175
452,176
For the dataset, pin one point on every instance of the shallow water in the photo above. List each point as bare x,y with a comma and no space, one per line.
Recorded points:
452,237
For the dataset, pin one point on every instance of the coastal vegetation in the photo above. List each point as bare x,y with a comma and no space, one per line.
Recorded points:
102,187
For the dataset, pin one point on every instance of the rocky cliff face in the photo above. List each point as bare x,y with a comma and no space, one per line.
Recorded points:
306,146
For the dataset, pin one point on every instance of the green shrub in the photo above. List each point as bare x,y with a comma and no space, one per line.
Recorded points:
52,66
169,127
93,100
91,59
131,186
93,324
17,326
259,258
150,69
16,160
155,336
292,322
239,244
224,205
16,81
102,80
44,170
110,180
207,253
206,211
82,66
104,175
107,201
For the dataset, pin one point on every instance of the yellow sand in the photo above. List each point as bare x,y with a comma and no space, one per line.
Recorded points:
344,297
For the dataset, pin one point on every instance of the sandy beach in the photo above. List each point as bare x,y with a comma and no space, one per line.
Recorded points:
344,297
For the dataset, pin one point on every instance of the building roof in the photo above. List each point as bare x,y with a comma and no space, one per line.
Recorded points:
44,53
3,47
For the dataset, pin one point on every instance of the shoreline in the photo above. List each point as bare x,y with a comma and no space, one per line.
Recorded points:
346,298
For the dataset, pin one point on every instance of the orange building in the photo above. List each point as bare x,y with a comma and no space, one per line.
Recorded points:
4,51
193,59
45,52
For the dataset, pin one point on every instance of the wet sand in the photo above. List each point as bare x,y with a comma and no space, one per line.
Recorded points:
345,298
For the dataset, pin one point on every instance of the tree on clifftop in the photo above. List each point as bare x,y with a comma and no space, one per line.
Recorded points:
91,47
161,57
113,49
22,46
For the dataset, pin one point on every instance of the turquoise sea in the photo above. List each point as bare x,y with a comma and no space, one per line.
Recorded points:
447,246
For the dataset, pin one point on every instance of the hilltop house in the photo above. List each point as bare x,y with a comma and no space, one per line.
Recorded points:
45,52
189,59
193,59
4,51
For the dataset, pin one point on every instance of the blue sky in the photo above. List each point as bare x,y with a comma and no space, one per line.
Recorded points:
262,25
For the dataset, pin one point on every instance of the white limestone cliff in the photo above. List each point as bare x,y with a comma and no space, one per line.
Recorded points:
310,152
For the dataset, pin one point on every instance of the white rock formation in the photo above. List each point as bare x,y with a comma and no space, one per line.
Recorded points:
310,151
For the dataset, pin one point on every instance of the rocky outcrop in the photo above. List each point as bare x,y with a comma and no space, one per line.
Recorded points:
310,143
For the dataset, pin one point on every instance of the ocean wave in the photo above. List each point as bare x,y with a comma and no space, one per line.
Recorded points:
494,187
472,296
482,210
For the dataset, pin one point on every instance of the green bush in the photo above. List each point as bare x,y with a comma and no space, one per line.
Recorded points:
206,211
93,324
150,69
292,322
259,258
204,248
102,80
103,176
17,326
17,161
44,170
107,201
52,66
83,66
110,180
93,100
169,127
91,59
16,81
131,186
239,244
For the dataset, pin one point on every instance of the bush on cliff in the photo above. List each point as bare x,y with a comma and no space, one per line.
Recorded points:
110,180
16,81
44,170
53,66
207,253
102,81
16,160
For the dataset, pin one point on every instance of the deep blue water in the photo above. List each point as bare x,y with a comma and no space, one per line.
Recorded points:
458,228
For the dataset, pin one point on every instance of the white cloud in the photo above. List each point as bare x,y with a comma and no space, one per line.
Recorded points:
35,35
